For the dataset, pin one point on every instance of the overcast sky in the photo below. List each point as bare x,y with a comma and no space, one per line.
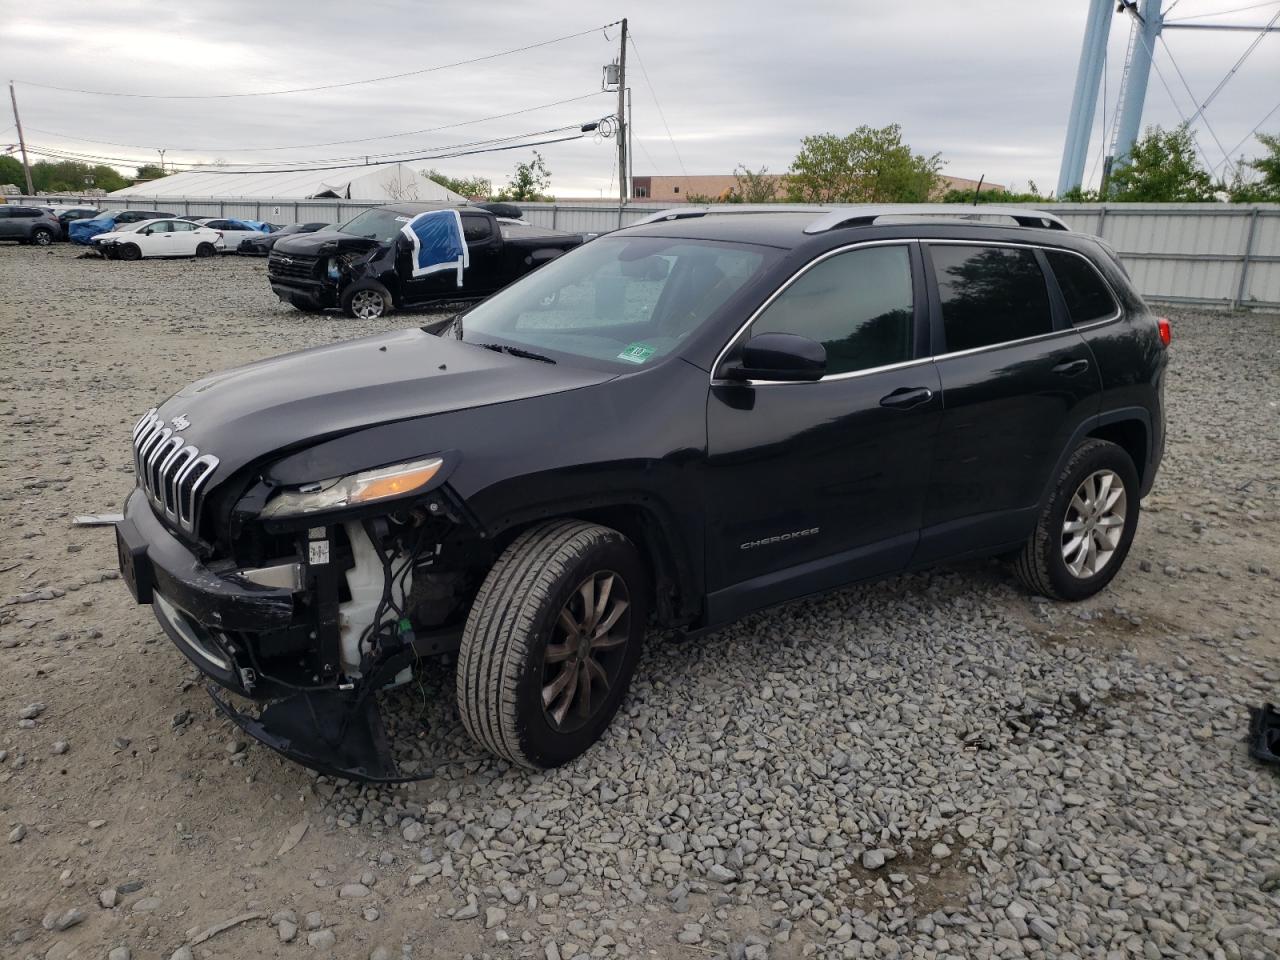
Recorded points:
987,83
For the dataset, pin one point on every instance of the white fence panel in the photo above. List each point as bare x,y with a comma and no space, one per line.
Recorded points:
1204,253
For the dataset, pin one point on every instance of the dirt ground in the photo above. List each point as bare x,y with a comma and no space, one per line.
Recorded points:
127,777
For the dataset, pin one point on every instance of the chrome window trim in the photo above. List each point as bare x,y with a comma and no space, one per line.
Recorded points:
918,360
899,242
1111,291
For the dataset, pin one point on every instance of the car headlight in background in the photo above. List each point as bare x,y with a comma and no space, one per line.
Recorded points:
368,486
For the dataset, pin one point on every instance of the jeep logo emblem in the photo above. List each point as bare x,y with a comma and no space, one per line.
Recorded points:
180,422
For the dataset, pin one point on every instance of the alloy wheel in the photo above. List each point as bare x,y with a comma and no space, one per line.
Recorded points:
367,304
1094,523
42,238
586,651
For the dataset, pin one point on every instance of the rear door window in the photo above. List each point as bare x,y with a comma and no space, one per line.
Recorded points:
1085,292
990,295
858,305
476,229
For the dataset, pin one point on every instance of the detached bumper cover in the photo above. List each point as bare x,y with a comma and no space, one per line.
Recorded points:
331,732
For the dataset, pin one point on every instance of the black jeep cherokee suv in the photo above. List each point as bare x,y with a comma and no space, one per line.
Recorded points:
682,422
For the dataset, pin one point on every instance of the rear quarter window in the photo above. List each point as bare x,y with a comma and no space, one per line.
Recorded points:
1085,292
990,295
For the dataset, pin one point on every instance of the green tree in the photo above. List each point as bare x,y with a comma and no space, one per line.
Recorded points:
529,181
1030,195
869,165
473,188
69,176
11,172
1161,168
149,171
754,187
1264,189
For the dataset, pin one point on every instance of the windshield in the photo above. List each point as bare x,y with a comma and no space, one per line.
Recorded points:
381,225
625,300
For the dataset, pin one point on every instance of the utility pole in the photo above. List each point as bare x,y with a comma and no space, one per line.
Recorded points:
623,185
161,152
22,143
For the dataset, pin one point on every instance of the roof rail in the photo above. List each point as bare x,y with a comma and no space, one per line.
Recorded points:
866,214
861,215
685,213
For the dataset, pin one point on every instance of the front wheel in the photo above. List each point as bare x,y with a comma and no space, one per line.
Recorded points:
1085,530
366,302
551,642
128,251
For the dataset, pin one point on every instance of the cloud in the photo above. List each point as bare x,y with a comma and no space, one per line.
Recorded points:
985,83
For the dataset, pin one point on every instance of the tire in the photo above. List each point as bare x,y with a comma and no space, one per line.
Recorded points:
206,250
366,301
1043,565
518,617
41,237
128,251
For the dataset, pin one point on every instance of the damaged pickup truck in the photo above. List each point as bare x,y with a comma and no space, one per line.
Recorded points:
373,263
679,423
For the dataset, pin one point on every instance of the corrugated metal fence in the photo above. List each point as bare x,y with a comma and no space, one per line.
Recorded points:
1212,254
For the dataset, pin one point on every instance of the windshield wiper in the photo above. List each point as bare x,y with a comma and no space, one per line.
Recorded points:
515,351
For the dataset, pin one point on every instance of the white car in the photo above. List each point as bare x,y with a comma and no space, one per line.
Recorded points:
159,238
233,231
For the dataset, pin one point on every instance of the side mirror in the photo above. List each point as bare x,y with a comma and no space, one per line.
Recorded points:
146,231
780,356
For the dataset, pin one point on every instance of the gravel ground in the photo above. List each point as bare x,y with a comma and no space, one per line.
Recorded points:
934,766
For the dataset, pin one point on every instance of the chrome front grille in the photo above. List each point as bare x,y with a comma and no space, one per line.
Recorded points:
295,266
171,471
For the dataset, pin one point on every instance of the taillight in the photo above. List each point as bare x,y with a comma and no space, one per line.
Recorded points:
1166,331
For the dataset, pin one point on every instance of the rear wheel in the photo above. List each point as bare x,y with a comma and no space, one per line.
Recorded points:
128,251
41,237
1085,530
368,301
551,642
206,250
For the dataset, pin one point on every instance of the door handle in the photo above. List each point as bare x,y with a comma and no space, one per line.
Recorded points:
906,397
1072,367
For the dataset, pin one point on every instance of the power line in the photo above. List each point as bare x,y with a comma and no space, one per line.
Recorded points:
383,163
1172,99
395,156
440,153
326,86
654,93
1199,113
330,143
1256,127
1230,73
1221,13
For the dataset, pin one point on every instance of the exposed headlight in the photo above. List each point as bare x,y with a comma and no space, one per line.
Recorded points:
359,488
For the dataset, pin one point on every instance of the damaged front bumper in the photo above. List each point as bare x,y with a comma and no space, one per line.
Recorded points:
226,624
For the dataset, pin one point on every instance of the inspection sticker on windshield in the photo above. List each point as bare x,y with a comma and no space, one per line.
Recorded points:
636,353
403,219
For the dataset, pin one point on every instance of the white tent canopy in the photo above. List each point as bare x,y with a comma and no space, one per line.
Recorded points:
391,183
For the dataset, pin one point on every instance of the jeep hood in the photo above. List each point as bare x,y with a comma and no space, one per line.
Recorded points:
288,402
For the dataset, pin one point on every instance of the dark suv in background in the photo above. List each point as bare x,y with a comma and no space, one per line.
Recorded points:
681,422
28,225
364,266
